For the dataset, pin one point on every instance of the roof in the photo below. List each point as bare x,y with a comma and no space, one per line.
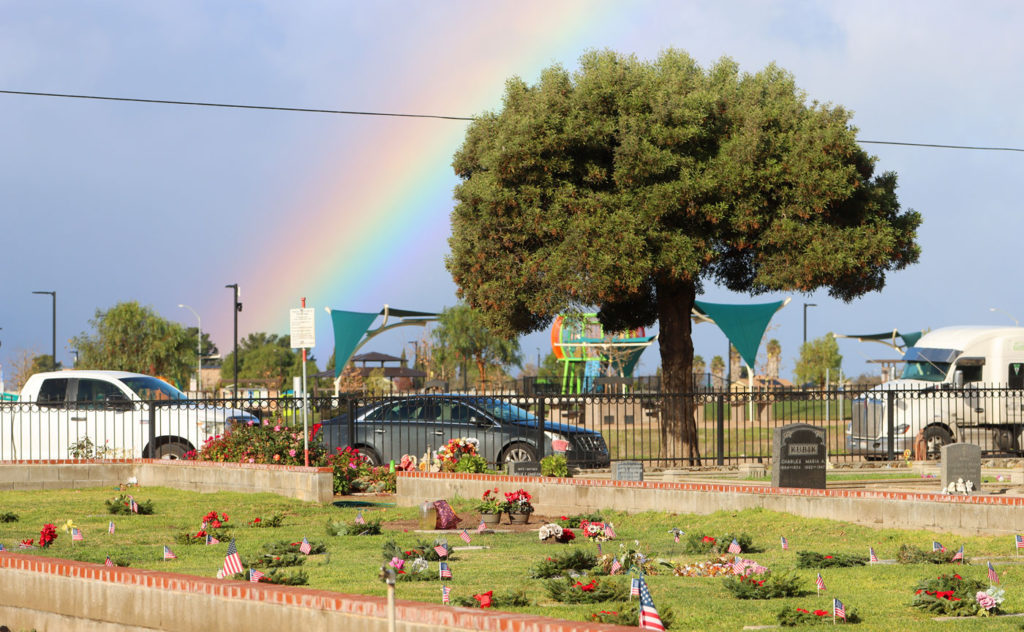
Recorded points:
374,356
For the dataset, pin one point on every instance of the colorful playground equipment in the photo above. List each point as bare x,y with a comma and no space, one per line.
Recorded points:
580,338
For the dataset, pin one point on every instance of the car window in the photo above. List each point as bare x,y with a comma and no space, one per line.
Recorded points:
455,412
397,411
96,392
53,391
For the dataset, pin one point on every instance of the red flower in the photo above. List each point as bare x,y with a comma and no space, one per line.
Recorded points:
587,587
828,557
256,520
957,577
564,518
484,599
820,613
804,611
27,541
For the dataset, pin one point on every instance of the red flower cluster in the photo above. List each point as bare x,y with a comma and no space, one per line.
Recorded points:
820,613
211,520
755,582
47,535
484,598
708,538
586,587
940,594
567,535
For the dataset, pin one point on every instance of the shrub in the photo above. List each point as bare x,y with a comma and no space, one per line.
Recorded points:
283,547
349,466
574,521
789,617
341,527
577,560
908,554
810,559
953,595
570,590
122,505
554,465
628,614
512,598
269,442
471,464
277,576
8,516
703,543
275,561
765,586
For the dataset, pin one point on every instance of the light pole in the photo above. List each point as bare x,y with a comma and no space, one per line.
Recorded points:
235,308
199,348
806,305
53,295
1016,322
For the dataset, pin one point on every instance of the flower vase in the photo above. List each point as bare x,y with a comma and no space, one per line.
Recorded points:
490,519
518,518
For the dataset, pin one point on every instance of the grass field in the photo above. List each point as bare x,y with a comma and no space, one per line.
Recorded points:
880,593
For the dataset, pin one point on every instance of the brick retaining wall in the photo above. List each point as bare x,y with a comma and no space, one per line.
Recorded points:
304,483
965,515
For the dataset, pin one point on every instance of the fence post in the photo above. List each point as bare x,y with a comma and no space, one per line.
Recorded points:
540,428
351,421
890,423
720,431
152,431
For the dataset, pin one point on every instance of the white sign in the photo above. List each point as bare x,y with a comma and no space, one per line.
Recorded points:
303,328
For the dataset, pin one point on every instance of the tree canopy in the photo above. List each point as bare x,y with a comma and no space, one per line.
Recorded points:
815,357
130,337
462,335
627,185
267,358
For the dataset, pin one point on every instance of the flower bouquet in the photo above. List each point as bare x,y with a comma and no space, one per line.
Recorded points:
517,502
573,590
953,595
490,504
46,536
557,533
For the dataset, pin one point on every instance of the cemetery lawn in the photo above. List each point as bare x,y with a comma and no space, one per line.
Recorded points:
881,593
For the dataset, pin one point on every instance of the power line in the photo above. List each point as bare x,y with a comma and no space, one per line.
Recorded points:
241,106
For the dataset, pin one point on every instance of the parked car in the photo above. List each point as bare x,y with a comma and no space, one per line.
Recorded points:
388,429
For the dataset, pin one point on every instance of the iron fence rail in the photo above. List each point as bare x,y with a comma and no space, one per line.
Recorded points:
592,429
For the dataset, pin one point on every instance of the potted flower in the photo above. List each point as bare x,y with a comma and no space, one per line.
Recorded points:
490,507
518,507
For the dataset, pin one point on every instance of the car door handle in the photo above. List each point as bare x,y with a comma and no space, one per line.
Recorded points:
78,419
438,432
379,431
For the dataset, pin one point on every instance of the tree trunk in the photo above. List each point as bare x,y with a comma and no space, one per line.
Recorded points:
678,424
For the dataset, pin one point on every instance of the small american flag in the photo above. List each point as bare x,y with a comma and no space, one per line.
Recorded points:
304,547
785,543
992,575
134,505
108,562
616,566
446,571
737,565
232,563
1019,540
110,528
254,575
445,591
838,609
649,619
609,531
937,547
169,554
819,582
76,534
1,547
360,519
735,548
211,540
871,555
22,545
465,536
599,548
959,554
202,527
634,587
481,527
441,550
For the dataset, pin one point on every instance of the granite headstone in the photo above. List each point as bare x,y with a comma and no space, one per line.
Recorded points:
799,456
628,471
961,464
523,468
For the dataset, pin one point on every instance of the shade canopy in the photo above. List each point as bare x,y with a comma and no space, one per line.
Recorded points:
893,338
743,325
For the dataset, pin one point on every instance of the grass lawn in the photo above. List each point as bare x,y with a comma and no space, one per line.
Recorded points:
881,593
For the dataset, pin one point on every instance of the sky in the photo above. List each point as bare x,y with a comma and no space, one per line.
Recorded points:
104,202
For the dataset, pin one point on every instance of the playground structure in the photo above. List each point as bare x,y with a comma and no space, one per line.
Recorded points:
580,339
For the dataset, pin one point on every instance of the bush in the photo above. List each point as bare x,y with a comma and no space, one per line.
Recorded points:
275,561
349,466
950,595
271,443
763,586
628,614
703,543
573,522
284,547
341,527
810,559
554,465
577,560
569,590
789,617
509,599
908,554
122,505
471,464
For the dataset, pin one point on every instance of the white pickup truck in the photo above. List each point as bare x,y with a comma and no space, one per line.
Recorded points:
106,414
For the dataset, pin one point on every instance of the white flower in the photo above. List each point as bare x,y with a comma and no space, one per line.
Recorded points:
419,565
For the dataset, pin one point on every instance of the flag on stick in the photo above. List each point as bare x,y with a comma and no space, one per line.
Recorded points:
819,582
441,550
232,563
108,562
110,528
254,576
599,548
360,519
616,566
465,536
446,571
445,590
609,531
871,555
134,505
959,555
76,534
1019,541
937,547
785,544
992,575
649,619
168,554
838,610
735,548
481,527
634,587
305,546
211,540
676,532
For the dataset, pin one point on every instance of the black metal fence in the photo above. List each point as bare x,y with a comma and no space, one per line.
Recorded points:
591,429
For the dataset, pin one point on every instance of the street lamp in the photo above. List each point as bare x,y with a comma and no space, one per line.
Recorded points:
806,305
53,295
199,348
235,308
996,309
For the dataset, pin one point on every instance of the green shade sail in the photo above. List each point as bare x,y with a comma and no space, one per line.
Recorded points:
889,338
349,328
743,325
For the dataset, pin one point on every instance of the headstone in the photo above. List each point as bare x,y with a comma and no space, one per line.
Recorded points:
799,456
628,471
961,464
523,468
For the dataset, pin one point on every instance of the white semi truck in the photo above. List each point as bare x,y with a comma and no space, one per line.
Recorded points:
85,414
963,384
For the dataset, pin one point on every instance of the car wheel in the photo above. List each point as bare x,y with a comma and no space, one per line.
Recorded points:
171,450
369,456
518,453
934,438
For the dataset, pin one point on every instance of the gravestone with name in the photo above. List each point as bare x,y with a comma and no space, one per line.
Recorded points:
799,456
628,470
523,468
961,464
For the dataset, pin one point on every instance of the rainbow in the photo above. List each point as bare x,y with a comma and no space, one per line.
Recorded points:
375,229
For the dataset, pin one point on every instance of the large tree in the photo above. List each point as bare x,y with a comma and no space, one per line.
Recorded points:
628,184
462,335
818,358
268,358
130,337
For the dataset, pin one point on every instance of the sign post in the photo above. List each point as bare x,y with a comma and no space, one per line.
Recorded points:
303,336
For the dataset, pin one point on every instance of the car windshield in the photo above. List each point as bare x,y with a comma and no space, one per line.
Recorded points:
927,371
503,410
152,389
